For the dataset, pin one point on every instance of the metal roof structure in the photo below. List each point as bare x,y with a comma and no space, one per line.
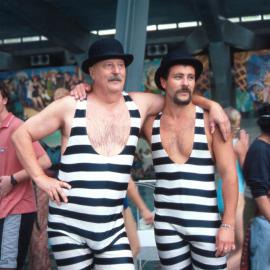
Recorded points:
68,24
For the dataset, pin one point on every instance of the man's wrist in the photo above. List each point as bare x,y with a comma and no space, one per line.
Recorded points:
227,226
13,180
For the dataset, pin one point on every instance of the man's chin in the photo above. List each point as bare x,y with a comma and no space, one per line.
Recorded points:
117,88
182,101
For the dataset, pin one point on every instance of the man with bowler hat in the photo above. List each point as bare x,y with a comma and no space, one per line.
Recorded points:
188,230
99,138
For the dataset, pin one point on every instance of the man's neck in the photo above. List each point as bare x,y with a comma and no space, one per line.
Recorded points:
265,137
107,96
3,114
176,111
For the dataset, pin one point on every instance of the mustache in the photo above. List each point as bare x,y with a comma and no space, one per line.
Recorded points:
183,90
116,78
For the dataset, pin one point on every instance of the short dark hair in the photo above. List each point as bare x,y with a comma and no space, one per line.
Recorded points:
3,90
264,118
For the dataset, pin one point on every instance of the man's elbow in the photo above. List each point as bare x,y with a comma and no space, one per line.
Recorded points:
15,137
45,162
21,135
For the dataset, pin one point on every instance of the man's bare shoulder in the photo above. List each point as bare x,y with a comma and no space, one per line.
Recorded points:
144,95
147,127
66,103
57,115
59,109
67,100
149,103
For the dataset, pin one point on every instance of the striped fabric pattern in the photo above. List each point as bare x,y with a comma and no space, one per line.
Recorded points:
185,201
99,184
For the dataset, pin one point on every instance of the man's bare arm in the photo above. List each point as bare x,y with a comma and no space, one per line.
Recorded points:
216,115
263,204
227,170
148,104
134,195
35,128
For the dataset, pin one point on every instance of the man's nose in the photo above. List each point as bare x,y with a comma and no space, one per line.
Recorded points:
185,81
116,69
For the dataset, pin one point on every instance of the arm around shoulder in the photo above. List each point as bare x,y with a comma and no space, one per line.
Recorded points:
148,103
216,115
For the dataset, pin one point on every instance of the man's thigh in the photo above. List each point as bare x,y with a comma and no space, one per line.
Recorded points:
173,250
116,257
15,234
203,252
69,252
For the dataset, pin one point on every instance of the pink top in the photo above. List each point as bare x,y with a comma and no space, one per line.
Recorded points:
21,199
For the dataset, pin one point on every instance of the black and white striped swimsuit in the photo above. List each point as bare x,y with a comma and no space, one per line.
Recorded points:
187,218
99,183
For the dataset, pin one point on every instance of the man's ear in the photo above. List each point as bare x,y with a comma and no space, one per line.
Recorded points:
91,71
5,101
163,82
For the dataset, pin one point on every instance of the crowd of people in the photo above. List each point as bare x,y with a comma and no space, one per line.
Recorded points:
89,223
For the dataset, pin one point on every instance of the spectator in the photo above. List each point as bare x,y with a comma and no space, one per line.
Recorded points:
17,199
257,175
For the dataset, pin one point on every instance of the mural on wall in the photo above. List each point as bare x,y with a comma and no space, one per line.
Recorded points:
148,81
30,90
252,79
203,85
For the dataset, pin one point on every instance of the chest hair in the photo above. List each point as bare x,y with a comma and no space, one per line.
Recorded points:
177,139
108,132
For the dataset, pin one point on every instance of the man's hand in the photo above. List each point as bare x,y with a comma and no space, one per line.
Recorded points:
53,187
224,241
5,186
80,91
219,117
147,216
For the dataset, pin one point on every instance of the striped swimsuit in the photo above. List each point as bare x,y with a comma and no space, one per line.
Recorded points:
88,232
187,219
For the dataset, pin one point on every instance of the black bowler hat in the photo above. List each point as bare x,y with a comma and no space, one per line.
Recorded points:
264,111
105,48
174,58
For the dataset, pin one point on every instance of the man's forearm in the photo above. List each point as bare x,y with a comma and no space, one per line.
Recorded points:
26,154
22,175
135,196
230,197
203,102
263,204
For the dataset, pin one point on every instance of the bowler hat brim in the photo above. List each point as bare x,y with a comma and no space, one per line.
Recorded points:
163,69
128,58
